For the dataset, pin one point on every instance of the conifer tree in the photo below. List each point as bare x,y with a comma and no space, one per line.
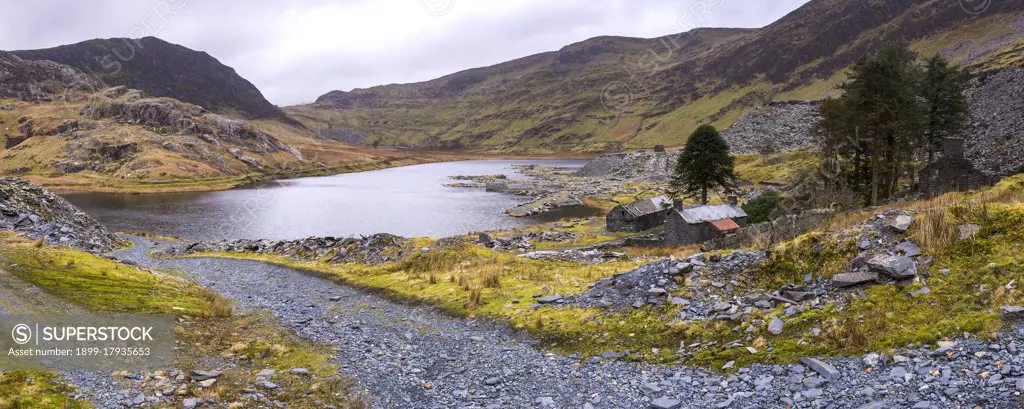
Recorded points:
704,164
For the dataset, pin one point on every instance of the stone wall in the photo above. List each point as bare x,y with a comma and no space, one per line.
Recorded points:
778,230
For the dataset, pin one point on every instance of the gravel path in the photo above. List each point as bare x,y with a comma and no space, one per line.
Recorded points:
416,357
20,298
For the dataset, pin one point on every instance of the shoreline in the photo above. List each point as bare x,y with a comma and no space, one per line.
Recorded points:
98,184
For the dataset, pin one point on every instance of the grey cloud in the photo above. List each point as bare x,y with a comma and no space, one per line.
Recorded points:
249,36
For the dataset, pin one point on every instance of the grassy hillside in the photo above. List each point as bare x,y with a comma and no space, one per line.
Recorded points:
95,142
611,93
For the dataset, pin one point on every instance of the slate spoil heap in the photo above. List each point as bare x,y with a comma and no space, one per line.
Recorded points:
37,213
376,249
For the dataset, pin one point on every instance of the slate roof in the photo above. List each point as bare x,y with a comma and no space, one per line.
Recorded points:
710,213
647,206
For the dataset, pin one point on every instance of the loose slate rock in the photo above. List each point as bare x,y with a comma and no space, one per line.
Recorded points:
824,369
898,267
1012,312
203,375
909,249
666,403
775,326
844,280
902,223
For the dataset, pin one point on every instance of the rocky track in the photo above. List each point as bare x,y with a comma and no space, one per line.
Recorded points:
416,357
100,388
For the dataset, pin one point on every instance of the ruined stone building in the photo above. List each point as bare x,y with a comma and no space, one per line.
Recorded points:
952,172
702,223
639,216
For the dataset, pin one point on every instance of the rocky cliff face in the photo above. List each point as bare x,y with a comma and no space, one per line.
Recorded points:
28,80
996,141
163,69
168,115
773,128
38,213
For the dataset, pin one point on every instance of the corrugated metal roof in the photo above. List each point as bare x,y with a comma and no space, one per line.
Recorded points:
725,225
710,213
647,206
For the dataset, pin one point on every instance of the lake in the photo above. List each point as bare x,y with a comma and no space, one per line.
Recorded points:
409,201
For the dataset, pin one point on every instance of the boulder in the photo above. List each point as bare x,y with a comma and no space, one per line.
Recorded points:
902,223
968,231
822,368
897,267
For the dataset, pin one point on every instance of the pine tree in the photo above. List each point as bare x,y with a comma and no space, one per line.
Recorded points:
873,127
947,113
704,164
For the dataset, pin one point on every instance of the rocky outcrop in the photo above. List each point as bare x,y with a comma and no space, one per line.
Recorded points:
39,80
653,166
165,115
995,143
36,212
779,126
376,249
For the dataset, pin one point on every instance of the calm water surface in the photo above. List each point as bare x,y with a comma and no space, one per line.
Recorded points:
409,201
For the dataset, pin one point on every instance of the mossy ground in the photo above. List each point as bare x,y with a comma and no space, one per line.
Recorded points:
31,390
781,168
209,330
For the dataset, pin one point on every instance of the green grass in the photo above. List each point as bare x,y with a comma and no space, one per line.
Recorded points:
781,168
101,285
30,390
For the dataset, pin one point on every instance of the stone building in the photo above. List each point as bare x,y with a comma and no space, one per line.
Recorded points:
952,172
702,223
639,216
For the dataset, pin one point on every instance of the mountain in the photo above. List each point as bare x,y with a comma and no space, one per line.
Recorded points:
613,93
62,127
162,69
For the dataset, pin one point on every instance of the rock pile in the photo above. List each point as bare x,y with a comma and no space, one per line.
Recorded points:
780,126
526,240
579,256
885,255
996,141
653,166
376,249
706,279
36,212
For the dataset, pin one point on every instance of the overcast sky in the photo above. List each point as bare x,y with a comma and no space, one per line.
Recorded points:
296,50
